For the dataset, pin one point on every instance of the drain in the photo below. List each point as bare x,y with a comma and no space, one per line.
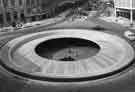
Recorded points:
69,58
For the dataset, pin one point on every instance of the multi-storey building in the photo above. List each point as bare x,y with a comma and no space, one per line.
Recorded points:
125,8
16,11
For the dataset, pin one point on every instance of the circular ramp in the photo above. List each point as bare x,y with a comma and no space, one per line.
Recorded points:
67,55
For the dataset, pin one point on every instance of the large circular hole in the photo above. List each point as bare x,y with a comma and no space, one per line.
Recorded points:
67,49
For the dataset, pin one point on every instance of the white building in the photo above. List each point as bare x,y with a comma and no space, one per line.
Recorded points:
125,7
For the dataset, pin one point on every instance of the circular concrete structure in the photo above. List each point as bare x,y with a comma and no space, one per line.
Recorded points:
67,55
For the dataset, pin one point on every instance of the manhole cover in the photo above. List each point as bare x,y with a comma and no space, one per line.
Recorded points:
67,53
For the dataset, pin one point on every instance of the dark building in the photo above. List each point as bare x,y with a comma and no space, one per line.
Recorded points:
16,11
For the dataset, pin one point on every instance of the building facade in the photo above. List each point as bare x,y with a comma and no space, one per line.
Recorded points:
16,11
125,8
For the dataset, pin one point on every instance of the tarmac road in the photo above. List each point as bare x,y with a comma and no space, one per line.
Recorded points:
120,83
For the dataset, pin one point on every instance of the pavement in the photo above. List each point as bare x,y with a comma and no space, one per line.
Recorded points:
112,28
64,23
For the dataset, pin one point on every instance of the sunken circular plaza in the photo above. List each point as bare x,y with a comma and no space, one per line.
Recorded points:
67,54
67,49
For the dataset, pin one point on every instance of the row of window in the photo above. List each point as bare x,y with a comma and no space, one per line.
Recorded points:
31,9
126,14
